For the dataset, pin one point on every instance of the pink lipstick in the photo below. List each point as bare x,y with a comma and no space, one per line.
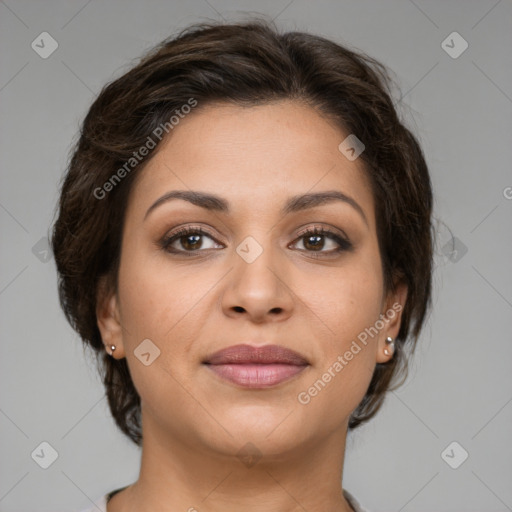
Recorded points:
256,367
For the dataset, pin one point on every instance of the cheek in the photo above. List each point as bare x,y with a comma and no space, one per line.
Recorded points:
158,306
346,359
167,304
349,306
157,297
348,299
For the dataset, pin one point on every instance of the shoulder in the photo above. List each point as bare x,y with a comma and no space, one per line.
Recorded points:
354,503
99,505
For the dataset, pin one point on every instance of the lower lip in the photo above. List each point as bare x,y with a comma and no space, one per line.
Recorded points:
256,375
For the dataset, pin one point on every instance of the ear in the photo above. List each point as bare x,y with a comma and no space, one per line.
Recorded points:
108,318
392,315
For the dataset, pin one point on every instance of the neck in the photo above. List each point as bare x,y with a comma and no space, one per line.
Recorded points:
178,475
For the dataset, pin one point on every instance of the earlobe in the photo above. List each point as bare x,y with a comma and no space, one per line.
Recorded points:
390,348
394,307
108,320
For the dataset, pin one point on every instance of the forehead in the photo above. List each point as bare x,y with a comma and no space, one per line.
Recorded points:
254,156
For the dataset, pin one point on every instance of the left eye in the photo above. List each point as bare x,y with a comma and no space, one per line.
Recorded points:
314,241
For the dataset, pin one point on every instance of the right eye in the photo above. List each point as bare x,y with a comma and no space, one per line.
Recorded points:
189,238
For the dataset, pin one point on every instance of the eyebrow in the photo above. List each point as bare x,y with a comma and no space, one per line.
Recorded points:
293,204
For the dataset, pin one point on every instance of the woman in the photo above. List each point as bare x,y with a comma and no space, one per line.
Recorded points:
244,239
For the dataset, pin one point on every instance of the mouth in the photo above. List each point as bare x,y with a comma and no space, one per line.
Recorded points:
256,367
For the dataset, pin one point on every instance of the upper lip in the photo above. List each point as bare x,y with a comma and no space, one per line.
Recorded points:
266,354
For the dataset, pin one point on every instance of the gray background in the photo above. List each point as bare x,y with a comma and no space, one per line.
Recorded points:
460,386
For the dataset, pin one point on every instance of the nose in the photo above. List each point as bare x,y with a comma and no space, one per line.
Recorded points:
259,289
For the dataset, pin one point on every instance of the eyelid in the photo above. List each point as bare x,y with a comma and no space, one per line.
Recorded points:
302,231
320,227
182,230
189,229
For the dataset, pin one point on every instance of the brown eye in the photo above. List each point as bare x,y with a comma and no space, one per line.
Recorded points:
314,240
188,240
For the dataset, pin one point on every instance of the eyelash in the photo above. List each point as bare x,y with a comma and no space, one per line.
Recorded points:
344,244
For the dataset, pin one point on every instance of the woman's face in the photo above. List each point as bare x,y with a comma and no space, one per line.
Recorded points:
258,275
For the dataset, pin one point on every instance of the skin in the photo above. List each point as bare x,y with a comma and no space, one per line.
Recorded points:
194,423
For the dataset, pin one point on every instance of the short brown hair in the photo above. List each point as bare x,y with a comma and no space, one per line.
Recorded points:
246,63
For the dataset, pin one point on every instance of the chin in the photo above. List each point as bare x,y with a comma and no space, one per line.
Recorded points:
273,428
